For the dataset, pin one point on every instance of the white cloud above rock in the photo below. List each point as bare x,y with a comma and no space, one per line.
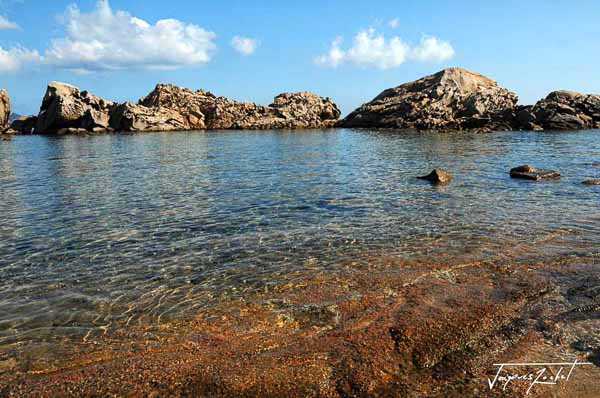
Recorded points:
13,59
372,50
5,23
244,45
432,49
104,39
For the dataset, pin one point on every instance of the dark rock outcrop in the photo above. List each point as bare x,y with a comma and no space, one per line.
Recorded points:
453,98
65,107
23,125
4,110
566,110
527,172
437,177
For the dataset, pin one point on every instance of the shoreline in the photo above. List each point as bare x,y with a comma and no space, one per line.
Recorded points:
386,328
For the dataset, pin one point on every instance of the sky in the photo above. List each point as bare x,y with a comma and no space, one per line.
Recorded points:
253,50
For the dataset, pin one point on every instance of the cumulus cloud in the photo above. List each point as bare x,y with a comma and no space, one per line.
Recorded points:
372,50
432,49
394,23
7,24
15,58
244,45
104,39
334,57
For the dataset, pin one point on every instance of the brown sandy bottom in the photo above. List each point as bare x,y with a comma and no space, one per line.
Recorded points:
392,329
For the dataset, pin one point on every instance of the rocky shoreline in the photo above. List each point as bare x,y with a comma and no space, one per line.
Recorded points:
385,328
453,99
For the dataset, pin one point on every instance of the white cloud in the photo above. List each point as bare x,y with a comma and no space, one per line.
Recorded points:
244,45
432,49
372,50
15,58
394,23
334,57
104,39
7,24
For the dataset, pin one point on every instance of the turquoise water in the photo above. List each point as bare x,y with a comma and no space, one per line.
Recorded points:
114,230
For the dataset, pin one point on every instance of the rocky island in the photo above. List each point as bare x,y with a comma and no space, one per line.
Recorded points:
458,99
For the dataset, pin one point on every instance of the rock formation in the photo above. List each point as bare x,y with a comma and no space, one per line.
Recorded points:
132,117
565,110
4,110
437,176
66,109
23,125
453,98
592,182
203,110
527,172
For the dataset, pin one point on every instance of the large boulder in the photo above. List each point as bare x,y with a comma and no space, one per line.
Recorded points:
453,98
566,110
4,109
66,107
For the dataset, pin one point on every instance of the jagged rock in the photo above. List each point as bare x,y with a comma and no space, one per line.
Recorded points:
527,172
566,110
132,117
24,124
591,182
190,104
437,177
202,109
4,109
64,106
65,109
452,99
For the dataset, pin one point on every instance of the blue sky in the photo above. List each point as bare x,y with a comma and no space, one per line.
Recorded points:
348,50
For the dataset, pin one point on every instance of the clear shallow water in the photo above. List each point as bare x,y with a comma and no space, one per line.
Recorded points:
103,232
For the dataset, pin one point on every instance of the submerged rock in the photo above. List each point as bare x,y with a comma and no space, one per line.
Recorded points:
566,110
4,110
437,177
452,99
66,107
527,172
592,182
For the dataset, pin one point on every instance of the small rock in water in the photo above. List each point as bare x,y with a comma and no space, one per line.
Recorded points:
527,172
591,182
437,177
596,164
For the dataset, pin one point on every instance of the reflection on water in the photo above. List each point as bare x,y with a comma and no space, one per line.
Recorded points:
97,233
